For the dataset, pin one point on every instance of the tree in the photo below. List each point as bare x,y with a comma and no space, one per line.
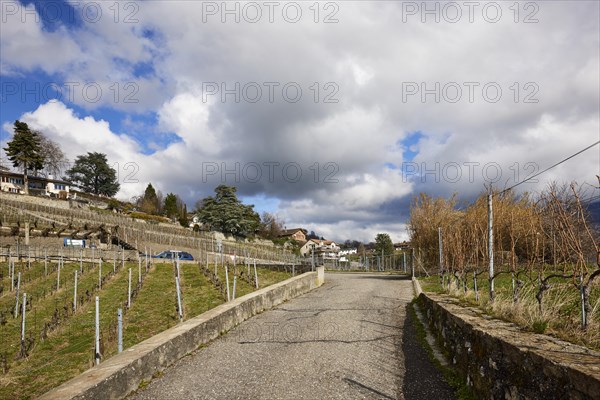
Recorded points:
25,151
170,208
225,213
149,202
361,250
56,160
183,215
383,242
271,226
92,174
312,235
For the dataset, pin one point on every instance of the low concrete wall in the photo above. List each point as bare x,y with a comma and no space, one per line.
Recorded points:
500,361
417,287
122,374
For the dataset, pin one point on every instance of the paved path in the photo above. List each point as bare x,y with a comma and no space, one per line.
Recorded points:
349,339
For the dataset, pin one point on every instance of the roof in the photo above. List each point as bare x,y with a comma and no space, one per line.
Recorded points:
289,232
321,242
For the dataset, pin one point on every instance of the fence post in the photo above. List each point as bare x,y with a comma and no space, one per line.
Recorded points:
100,274
97,346
491,245
227,282
23,325
234,286
17,296
120,330
255,274
179,310
412,263
441,255
129,291
75,293
12,275
58,275
583,313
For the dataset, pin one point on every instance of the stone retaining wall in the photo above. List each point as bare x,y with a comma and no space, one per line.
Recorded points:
500,361
42,201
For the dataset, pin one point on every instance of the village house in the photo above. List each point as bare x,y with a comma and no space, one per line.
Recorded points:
346,252
402,246
195,223
297,234
322,248
12,182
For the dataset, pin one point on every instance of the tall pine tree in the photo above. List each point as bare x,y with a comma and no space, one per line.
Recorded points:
149,203
25,151
170,208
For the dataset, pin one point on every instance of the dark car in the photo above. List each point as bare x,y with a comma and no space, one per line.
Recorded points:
171,254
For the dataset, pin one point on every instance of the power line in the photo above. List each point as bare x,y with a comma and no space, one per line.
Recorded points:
549,168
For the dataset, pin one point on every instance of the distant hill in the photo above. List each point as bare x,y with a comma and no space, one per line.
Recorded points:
594,210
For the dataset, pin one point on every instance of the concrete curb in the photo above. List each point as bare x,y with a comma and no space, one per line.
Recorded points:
122,374
416,287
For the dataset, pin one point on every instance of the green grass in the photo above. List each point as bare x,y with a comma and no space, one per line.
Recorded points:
68,349
242,287
199,295
154,309
44,300
267,277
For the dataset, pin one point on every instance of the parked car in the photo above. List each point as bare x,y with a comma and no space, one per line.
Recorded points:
171,254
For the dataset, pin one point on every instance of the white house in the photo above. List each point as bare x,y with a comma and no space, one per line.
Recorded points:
323,248
195,223
347,252
13,182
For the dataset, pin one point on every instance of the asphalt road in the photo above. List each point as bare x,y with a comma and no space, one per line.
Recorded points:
349,339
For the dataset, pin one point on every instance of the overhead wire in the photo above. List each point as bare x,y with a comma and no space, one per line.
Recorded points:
549,168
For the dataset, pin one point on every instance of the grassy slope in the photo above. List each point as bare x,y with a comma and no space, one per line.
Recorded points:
68,350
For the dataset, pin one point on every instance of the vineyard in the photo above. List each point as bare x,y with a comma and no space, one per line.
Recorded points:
58,338
540,270
19,218
50,294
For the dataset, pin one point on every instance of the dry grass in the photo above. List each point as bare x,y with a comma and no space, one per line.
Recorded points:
560,315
